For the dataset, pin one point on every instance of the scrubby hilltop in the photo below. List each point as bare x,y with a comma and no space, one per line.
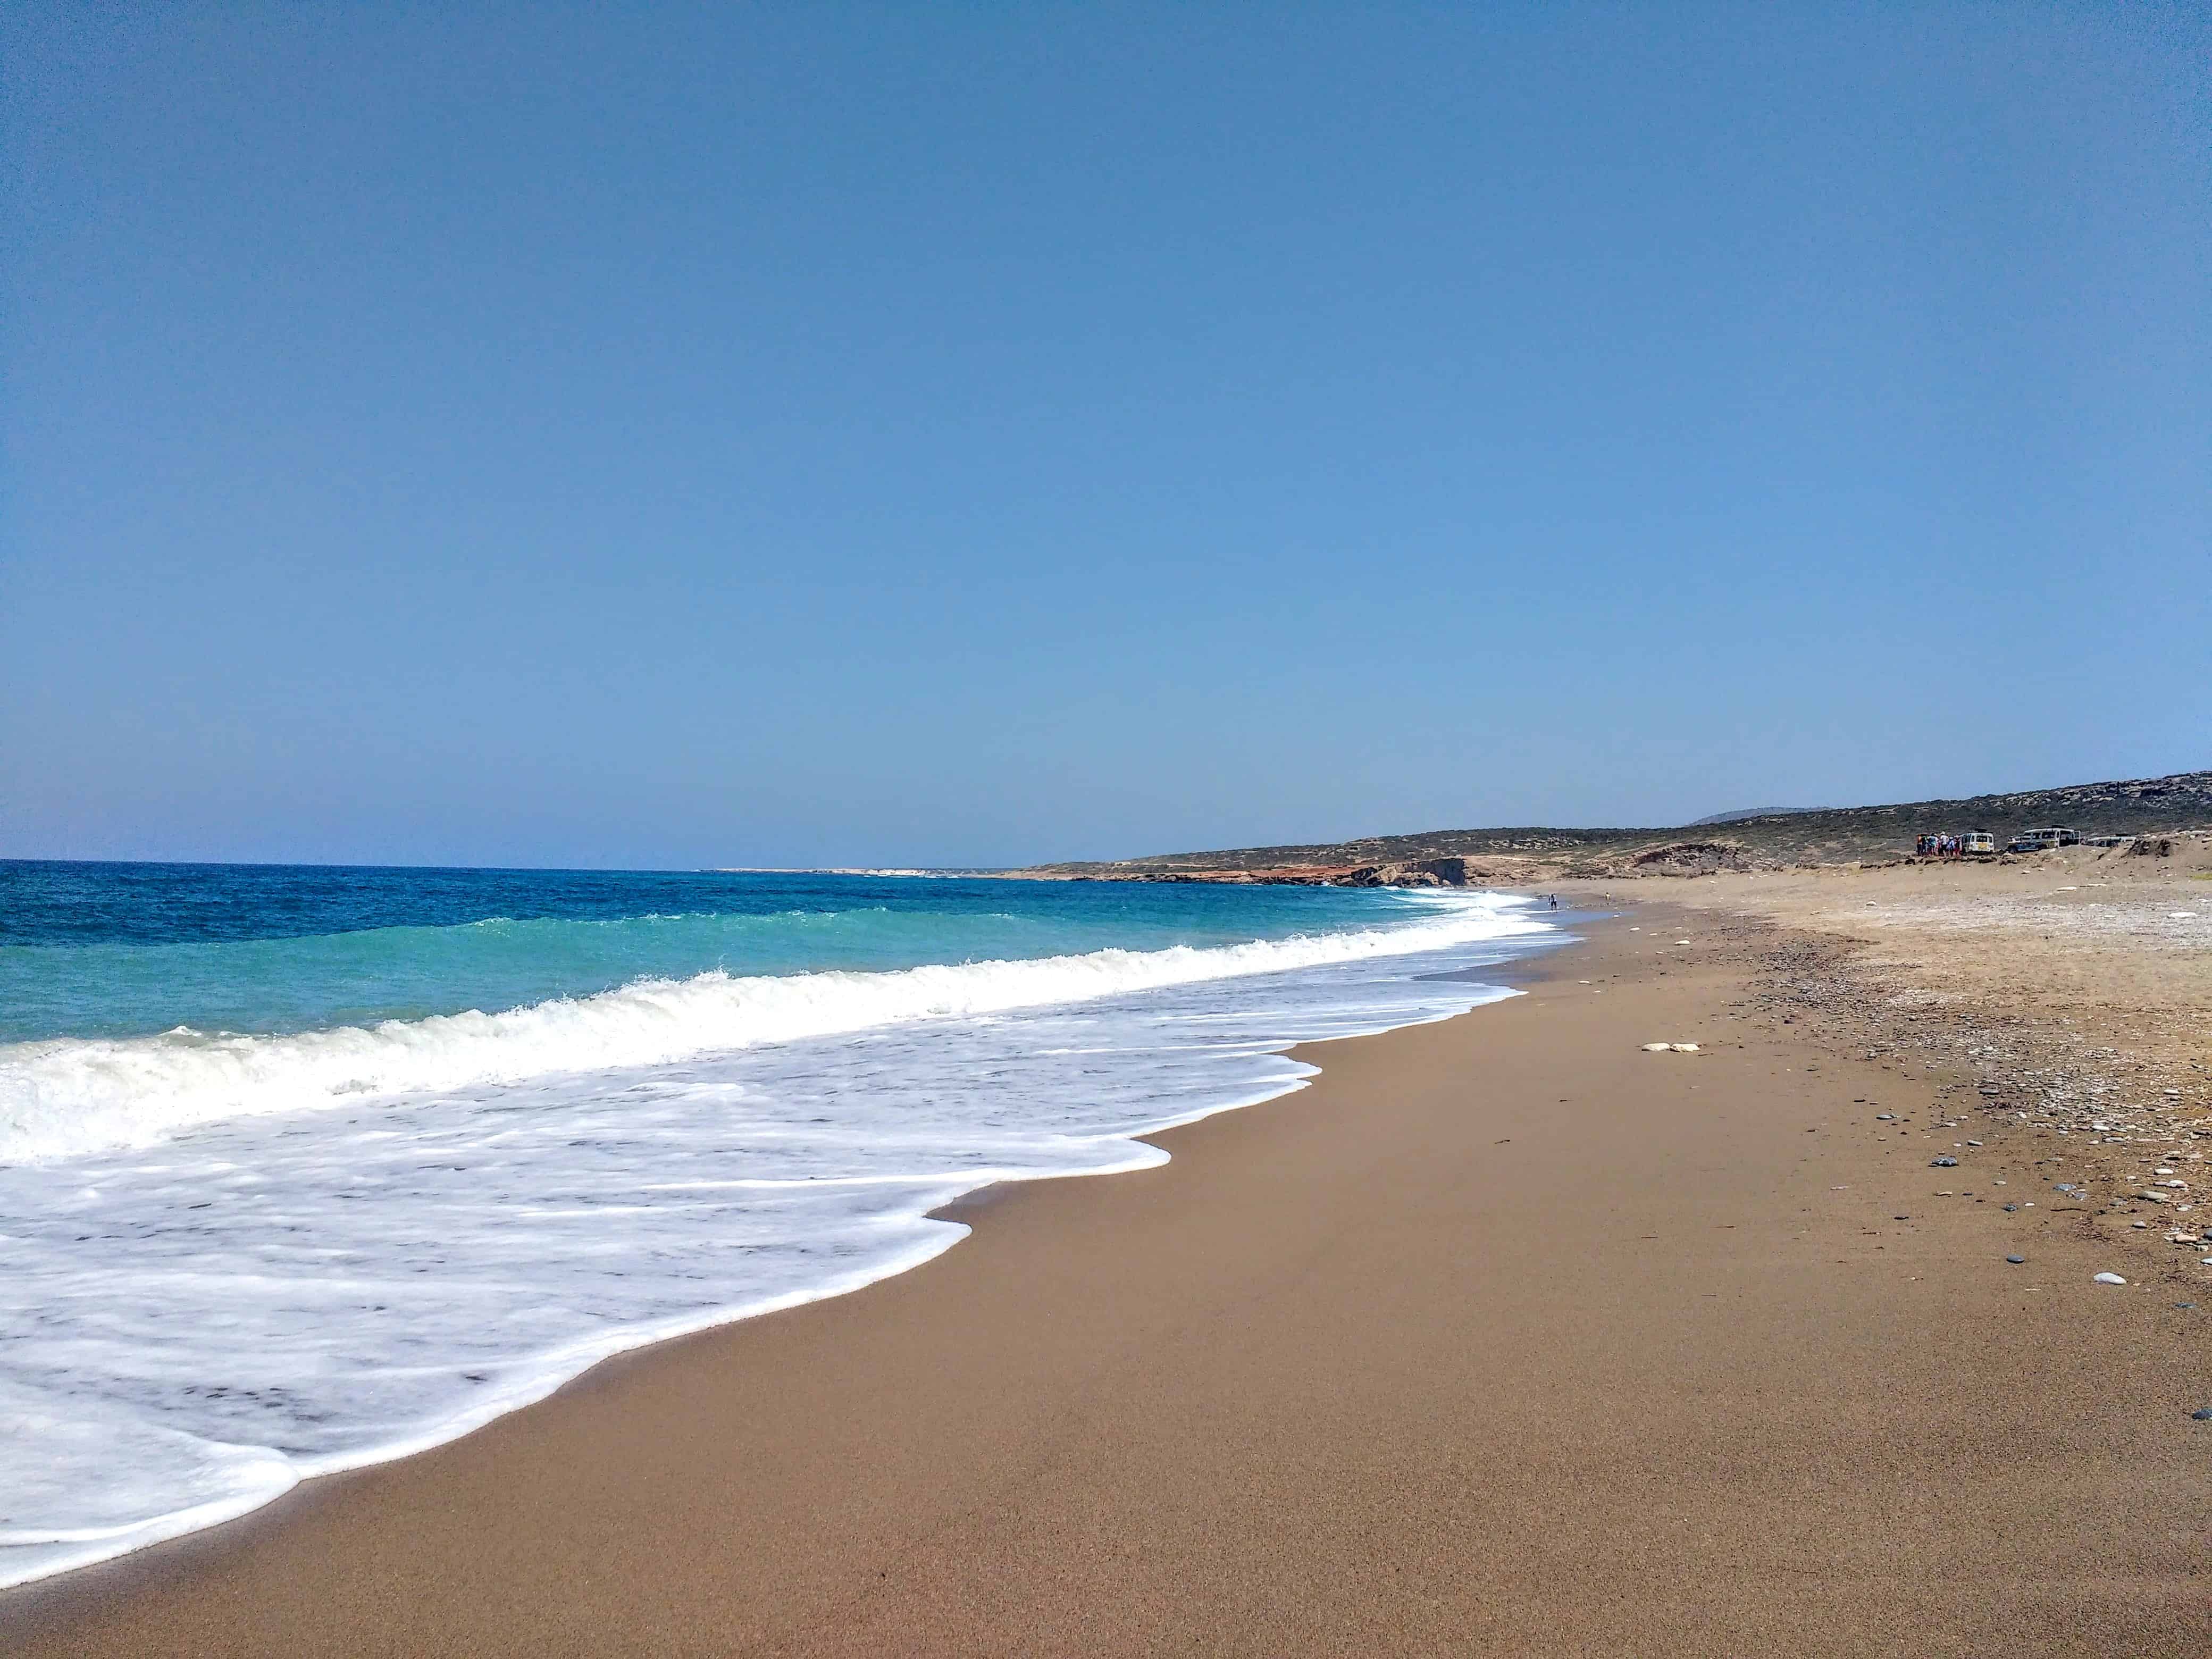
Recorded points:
2179,802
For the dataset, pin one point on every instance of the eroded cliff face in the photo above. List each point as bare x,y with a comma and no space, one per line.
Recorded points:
1680,858
1673,858
1405,873
1436,872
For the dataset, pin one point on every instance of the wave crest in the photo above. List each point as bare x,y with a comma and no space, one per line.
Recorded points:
60,1098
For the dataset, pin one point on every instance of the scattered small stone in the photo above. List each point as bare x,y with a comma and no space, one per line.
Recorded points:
2109,1279
2010,1207
2204,1415
1947,1162
1885,1117
2016,1260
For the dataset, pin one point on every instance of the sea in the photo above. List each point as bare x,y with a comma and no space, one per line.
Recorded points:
305,1169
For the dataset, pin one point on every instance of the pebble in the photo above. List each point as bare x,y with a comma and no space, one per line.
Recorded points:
1944,1162
2010,1207
2016,1260
2109,1279
2202,1415
1885,1117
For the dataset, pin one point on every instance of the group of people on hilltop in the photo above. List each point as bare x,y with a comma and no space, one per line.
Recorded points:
1940,847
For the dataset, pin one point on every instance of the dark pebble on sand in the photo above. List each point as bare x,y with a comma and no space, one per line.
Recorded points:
2203,1416
1942,1163
2016,1260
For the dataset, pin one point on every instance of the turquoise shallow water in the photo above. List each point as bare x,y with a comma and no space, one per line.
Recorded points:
94,950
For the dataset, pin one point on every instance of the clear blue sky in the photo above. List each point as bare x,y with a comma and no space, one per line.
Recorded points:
804,433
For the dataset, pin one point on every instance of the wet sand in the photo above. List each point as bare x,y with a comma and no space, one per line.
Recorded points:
1505,1337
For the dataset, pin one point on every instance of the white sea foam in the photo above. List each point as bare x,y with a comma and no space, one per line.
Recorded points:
191,1324
64,1097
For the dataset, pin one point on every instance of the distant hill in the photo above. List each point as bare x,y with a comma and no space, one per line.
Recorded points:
1835,835
1743,813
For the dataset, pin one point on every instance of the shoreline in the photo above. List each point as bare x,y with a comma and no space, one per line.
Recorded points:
219,1534
1235,1350
1059,1089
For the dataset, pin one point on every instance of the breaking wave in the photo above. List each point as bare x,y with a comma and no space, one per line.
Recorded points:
65,1096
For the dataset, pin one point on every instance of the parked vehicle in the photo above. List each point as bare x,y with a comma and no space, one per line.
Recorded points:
2043,840
1979,844
2107,840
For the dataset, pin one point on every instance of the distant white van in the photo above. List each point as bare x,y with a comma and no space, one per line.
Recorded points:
2043,841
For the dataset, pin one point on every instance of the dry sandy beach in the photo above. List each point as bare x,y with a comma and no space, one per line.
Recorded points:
1505,1337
